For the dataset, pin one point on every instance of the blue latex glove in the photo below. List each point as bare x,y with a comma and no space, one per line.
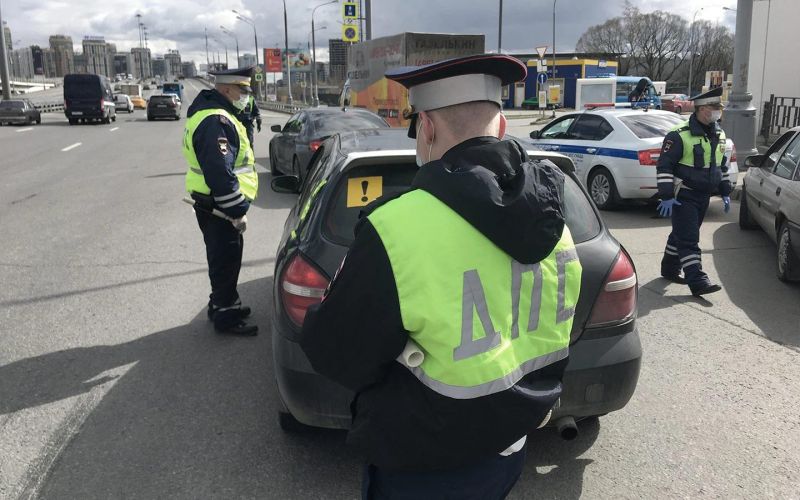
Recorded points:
665,207
726,201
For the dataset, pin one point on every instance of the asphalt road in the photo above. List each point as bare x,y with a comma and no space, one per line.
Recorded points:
113,384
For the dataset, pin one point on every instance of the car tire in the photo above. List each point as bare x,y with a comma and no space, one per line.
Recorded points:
114,118
106,119
603,189
39,120
149,118
290,424
296,168
746,220
273,168
788,266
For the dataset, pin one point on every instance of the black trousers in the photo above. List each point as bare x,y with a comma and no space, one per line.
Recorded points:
224,245
683,249
490,479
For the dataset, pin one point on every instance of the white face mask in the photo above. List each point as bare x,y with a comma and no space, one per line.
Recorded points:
241,103
716,115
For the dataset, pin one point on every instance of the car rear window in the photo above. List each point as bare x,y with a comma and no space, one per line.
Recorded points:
159,99
82,87
346,205
12,105
649,125
328,123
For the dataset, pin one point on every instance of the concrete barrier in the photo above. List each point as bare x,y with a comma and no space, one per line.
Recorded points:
50,107
281,107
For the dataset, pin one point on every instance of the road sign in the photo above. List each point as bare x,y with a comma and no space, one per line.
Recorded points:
542,99
350,11
541,66
258,69
541,51
541,78
350,32
259,76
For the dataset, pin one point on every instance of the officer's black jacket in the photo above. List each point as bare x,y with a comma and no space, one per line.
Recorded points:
216,144
250,114
355,334
704,180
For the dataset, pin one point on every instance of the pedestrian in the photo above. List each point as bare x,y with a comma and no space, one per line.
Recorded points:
461,266
222,176
692,167
251,114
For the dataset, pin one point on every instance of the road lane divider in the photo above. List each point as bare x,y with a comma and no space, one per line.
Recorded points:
24,129
113,129
72,146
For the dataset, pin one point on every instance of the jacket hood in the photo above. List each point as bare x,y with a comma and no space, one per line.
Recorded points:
514,201
210,99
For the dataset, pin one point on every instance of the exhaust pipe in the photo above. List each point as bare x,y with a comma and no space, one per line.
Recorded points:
566,428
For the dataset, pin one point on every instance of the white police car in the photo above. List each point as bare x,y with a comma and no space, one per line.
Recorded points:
615,150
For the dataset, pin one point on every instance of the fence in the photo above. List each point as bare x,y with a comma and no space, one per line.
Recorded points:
780,114
281,107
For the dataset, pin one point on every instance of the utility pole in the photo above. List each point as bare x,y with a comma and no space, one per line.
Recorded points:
208,64
368,18
288,65
232,34
4,62
500,28
554,51
739,118
693,28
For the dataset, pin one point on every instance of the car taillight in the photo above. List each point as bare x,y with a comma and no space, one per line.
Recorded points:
649,156
733,154
102,104
616,302
301,286
314,145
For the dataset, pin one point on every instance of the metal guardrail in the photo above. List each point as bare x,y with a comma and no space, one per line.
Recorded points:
783,114
281,107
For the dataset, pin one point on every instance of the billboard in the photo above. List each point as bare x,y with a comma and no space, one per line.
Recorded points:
273,61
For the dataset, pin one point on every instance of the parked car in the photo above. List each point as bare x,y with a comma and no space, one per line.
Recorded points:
292,146
677,103
605,351
771,200
123,102
19,111
163,106
615,150
138,102
88,98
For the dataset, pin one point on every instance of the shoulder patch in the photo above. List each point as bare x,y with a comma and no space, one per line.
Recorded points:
667,145
224,120
222,142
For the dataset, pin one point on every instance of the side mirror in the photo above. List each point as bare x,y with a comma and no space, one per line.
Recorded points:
535,134
754,161
288,184
275,128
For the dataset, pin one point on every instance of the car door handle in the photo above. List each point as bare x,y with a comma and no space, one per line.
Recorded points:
778,191
591,151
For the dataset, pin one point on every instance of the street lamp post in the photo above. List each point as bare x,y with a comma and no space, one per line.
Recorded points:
691,52
236,38
286,45
226,51
500,28
314,79
554,50
314,93
4,62
252,23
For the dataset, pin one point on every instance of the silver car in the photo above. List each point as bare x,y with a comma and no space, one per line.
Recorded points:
771,200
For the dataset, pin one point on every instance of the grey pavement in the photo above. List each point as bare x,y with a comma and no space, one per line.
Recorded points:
113,384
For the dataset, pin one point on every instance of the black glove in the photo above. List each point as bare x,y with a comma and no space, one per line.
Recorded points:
258,124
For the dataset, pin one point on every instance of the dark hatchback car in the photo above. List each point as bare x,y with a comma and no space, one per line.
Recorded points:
163,106
771,200
19,111
605,352
293,145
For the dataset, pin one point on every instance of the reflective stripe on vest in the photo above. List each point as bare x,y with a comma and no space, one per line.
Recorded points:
482,319
689,140
244,167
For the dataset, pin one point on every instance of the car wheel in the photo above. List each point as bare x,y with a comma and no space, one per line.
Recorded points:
746,220
273,168
787,259
107,119
602,189
678,110
39,120
114,118
290,424
149,118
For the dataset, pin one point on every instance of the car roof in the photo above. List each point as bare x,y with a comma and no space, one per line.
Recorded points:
334,110
624,111
375,139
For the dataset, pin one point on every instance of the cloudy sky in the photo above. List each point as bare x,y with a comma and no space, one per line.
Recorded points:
179,24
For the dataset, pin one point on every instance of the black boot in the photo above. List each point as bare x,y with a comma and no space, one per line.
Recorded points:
674,277
244,312
237,328
704,289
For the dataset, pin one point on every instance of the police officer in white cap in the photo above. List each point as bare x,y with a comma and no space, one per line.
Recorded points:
692,167
475,268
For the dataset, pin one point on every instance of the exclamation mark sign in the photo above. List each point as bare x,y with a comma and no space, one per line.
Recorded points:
364,185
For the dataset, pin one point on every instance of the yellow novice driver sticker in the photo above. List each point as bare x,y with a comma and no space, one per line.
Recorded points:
363,190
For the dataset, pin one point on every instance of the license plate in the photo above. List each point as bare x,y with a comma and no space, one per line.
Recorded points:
77,113
161,106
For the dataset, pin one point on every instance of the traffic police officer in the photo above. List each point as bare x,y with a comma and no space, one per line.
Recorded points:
475,266
691,168
251,114
222,176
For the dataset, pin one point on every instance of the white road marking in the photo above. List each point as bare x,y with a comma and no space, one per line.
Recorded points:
113,129
72,147
24,129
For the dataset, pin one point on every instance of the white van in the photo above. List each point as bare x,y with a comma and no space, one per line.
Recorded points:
123,102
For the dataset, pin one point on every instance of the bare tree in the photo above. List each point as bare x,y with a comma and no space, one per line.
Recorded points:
713,48
608,38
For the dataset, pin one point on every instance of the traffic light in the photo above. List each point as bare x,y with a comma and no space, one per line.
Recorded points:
350,11
350,32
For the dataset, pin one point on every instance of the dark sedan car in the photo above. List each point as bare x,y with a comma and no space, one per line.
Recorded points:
164,106
19,111
293,145
771,200
352,169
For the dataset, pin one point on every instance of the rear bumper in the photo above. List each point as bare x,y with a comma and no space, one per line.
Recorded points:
88,113
13,119
600,378
161,113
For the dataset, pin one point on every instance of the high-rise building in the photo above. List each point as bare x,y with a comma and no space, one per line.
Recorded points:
22,63
142,63
123,63
246,60
79,63
95,52
9,50
172,63
49,59
159,66
63,54
111,51
7,34
188,69
338,60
